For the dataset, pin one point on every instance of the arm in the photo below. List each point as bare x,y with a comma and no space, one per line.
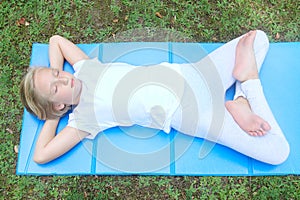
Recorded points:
49,146
61,49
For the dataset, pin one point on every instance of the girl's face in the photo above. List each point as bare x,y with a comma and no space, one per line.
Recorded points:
60,87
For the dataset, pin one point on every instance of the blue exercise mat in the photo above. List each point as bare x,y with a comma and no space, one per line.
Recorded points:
138,150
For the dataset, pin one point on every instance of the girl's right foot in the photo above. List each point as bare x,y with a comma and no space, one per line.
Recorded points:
246,69
245,64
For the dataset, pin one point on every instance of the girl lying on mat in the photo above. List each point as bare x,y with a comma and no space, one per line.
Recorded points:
164,96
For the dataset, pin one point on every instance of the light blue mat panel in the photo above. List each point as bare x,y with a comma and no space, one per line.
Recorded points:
138,150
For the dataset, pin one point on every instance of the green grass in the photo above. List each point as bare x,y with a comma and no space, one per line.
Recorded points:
85,21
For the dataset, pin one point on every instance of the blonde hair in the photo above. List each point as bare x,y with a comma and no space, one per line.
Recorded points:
35,103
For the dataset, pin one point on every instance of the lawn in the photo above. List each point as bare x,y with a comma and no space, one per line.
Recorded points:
84,21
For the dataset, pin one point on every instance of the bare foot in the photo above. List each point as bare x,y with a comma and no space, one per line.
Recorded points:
245,118
245,69
245,64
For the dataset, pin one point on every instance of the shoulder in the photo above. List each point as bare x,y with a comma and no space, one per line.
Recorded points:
74,133
87,63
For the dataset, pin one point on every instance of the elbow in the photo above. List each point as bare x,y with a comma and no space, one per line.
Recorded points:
40,158
55,38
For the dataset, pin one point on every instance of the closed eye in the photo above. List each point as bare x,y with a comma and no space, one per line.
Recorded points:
54,89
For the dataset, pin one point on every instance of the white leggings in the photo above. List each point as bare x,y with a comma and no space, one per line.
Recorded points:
271,148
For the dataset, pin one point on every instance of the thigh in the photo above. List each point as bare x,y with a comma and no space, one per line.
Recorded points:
223,58
194,114
271,148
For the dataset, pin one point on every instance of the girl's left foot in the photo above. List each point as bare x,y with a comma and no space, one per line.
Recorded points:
245,69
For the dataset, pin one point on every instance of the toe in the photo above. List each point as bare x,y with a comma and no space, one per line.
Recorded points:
265,126
252,133
260,132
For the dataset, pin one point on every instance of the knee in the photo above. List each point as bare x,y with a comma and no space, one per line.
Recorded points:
279,154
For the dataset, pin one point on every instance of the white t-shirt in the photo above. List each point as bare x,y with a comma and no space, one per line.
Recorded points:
119,94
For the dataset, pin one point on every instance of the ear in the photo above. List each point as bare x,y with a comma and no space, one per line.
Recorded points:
59,106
